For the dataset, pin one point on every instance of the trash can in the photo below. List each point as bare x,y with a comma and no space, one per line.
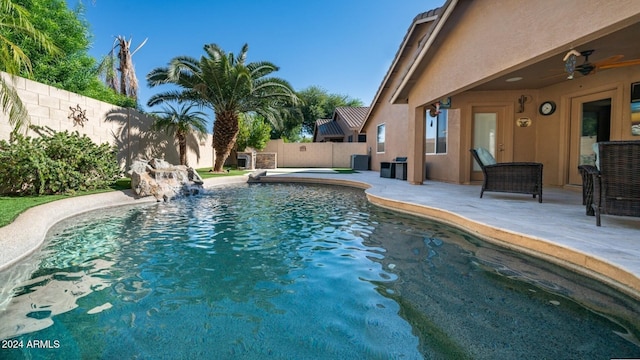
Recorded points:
401,170
387,170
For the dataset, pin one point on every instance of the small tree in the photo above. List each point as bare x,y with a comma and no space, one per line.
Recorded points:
318,104
181,123
254,132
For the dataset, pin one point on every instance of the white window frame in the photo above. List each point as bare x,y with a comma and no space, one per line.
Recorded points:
384,138
436,124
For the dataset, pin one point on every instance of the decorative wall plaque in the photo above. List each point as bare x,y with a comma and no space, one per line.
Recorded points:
78,115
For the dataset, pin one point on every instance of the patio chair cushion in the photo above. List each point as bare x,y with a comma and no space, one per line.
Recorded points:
485,156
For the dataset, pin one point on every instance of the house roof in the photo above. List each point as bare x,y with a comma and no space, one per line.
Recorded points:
422,18
438,16
614,37
352,116
328,127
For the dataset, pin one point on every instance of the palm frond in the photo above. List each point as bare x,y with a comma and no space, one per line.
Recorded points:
12,58
15,18
11,104
139,46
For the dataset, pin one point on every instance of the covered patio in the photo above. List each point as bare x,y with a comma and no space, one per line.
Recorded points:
523,82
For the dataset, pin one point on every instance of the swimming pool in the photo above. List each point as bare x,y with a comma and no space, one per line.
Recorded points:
294,272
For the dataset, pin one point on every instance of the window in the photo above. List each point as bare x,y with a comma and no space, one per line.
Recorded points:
436,133
380,139
350,138
362,137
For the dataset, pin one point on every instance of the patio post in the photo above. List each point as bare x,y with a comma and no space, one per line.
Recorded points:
416,124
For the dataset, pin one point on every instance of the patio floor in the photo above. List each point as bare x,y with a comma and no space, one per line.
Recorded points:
557,227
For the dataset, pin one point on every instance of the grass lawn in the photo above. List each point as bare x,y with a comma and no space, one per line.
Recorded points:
205,174
345,170
12,206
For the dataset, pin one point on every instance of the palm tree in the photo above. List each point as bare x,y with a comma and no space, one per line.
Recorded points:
121,62
229,86
14,18
181,122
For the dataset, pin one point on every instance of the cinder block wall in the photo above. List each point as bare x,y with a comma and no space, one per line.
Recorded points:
315,154
131,131
127,129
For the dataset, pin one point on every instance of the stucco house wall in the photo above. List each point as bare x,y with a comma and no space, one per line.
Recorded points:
484,41
383,111
475,43
395,121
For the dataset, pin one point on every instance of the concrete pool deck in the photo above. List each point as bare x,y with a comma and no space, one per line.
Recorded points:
556,229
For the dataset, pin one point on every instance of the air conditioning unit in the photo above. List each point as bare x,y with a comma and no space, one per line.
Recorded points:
360,162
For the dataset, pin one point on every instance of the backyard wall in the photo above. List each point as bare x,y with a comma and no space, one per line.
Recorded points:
127,129
312,155
130,131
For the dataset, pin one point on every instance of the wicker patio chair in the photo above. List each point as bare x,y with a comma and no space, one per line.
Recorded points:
616,181
586,172
512,177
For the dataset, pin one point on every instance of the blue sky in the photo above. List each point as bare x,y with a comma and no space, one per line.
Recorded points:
343,46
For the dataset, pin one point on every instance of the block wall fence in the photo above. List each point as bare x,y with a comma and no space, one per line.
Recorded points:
130,131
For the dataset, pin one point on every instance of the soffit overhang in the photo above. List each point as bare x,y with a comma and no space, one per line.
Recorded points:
540,68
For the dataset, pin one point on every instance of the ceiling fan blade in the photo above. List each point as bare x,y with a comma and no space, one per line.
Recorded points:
620,64
609,60
555,76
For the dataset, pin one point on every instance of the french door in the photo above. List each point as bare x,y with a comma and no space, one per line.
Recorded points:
590,123
488,132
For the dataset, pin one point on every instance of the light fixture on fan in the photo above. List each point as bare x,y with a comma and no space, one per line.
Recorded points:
587,67
570,62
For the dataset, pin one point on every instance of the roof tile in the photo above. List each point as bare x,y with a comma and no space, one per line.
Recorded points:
352,116
328,127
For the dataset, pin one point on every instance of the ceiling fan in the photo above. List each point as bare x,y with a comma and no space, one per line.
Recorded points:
588,67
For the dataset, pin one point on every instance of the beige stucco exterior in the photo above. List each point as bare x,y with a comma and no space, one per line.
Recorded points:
314,155
471,48
394,116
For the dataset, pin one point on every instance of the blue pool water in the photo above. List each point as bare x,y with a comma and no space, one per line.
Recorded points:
297,272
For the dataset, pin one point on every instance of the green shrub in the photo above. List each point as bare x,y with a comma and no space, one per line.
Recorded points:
97,90
55,163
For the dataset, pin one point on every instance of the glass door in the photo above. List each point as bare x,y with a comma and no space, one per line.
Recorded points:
590,123
487,133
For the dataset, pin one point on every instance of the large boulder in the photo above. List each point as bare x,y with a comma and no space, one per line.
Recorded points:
162,180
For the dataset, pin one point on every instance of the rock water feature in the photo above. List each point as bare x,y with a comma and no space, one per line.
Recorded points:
162,180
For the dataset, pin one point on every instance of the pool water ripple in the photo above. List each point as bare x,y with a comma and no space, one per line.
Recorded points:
296,272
